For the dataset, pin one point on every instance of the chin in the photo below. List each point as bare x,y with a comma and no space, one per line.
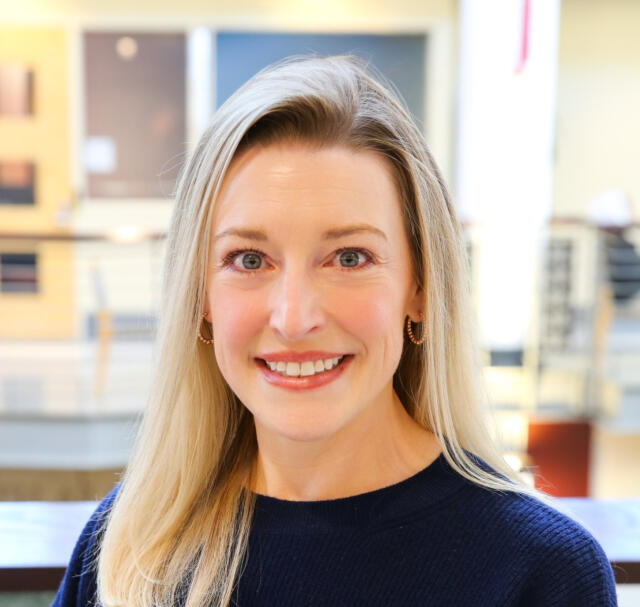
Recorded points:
305,430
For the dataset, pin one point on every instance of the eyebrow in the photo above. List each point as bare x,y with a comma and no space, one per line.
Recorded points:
331,234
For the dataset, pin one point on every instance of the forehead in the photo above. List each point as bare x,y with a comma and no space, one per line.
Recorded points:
295,182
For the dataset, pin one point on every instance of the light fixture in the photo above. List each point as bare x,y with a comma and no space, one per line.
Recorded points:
125,233
126,47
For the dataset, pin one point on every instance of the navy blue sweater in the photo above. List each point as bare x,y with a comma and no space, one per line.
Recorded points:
434,539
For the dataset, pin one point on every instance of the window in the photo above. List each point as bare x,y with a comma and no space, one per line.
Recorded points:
136,124
16,90
16,183
18,273
401,57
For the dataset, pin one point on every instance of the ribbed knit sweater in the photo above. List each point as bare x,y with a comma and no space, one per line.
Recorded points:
434,539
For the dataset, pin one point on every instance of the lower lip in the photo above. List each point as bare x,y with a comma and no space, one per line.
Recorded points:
307,382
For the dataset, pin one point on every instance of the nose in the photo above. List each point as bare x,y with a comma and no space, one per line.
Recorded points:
295,304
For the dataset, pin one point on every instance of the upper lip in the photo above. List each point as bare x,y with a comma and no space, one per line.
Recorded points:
298,357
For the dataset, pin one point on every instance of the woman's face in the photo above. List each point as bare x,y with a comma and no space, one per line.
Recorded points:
296,278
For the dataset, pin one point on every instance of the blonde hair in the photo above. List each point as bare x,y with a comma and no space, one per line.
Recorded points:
178,528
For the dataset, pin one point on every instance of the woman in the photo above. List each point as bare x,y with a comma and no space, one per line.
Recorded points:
297,448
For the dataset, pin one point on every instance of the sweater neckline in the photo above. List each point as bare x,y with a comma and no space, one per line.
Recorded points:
424,488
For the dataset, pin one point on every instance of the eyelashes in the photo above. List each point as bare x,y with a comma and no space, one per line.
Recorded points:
230,257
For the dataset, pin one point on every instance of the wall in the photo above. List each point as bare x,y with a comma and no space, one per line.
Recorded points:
328,10
598,121
44,139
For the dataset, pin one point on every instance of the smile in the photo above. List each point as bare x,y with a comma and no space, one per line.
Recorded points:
306,375
308,367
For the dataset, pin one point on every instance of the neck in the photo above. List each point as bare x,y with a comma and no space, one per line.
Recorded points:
381,447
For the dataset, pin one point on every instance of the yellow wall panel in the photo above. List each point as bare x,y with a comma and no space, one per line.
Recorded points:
43,139
50,313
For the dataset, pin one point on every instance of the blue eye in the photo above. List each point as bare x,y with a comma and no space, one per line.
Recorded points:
350,255
253,262
253,255
252,259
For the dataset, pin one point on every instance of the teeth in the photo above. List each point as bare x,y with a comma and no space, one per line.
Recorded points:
293,369
308,367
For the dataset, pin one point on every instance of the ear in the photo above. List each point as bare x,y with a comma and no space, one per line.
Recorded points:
416,306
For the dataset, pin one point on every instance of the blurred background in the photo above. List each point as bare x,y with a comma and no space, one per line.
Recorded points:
531,109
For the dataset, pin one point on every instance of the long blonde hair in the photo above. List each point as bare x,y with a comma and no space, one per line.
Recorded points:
178,528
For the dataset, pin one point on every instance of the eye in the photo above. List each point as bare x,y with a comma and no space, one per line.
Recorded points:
252,259
351,256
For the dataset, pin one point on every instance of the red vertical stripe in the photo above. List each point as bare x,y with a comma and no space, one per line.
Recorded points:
524,41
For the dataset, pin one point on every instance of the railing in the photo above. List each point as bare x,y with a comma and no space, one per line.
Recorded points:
77,321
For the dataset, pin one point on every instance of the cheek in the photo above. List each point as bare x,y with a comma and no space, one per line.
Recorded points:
370,315
236,319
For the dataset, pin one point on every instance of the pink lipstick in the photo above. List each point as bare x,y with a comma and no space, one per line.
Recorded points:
305,382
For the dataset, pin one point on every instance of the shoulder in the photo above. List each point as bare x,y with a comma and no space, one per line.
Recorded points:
543,525
103,507
78,584
560,561
570,559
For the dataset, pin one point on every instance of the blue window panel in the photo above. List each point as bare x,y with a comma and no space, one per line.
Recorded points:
401,58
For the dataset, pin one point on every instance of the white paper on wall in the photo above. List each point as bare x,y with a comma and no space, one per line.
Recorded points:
100,155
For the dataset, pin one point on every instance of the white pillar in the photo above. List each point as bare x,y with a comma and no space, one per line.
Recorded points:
200,76
504,151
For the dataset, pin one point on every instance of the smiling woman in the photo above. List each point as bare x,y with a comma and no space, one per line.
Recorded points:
347,304
301,445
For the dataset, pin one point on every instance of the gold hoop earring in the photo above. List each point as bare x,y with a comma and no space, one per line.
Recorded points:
410,333
203,339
